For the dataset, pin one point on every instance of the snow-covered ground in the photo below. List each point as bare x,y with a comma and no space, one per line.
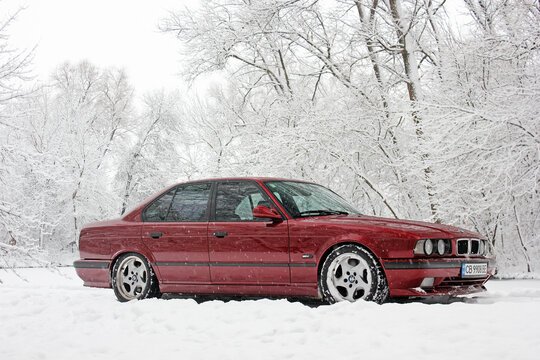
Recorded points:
50,315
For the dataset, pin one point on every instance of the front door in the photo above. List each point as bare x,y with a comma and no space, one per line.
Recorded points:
243,249
175,231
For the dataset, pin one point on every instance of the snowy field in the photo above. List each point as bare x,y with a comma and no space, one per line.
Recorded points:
50,315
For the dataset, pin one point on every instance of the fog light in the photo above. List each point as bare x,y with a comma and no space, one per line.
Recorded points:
427,282
428,247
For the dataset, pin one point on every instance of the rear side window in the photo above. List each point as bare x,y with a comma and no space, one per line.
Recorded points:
190,203
182,204
159,208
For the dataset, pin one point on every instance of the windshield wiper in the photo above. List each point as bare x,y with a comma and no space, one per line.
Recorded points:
322,212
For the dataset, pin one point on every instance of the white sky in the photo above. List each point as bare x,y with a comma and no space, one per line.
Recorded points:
120,33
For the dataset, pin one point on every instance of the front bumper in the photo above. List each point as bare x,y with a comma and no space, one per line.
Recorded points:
406,277
94,273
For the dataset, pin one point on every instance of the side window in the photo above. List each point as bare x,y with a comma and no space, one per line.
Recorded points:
190,203
235,201
183,203
158,210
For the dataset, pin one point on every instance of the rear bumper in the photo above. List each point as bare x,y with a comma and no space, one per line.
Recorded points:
94,273
405,277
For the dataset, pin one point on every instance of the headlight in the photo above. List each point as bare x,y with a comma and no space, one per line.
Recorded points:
488,248
419,248
441,247
428,247
482,247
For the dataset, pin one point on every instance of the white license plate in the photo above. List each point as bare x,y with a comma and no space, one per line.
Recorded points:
474,269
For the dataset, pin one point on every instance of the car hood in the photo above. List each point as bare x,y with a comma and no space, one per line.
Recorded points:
419,229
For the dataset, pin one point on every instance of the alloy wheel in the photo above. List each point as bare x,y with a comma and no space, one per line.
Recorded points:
349,277
132,277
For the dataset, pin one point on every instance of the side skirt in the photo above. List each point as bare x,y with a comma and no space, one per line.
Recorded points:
208,289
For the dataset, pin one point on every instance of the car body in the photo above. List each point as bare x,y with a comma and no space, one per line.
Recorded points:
269,237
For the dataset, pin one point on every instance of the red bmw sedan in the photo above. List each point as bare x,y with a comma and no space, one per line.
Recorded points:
276,237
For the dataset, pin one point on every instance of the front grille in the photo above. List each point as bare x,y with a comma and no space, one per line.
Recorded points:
475,245
463,247
468,247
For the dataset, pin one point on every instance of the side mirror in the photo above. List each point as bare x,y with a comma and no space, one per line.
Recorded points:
264,212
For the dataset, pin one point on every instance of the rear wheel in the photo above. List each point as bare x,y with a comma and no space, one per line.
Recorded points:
133,278
351,273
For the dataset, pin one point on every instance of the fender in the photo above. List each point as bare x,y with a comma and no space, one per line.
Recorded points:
393,245
349,238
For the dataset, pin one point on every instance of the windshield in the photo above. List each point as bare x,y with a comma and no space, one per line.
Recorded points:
305,199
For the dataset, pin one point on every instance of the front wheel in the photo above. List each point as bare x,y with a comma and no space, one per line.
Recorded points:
351,273
133,278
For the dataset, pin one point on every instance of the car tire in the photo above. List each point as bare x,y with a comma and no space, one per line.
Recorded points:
133,278
350,273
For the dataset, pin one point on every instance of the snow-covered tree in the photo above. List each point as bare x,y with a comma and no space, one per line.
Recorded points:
386,101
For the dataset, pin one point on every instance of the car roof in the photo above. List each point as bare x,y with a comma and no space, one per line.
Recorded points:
256,178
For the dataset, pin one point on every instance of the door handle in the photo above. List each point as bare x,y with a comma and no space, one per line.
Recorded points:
155,235
220,234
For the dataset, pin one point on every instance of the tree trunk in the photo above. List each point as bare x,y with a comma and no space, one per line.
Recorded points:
406,42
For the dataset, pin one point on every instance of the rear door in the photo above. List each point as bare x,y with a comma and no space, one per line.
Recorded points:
175,230
243,249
